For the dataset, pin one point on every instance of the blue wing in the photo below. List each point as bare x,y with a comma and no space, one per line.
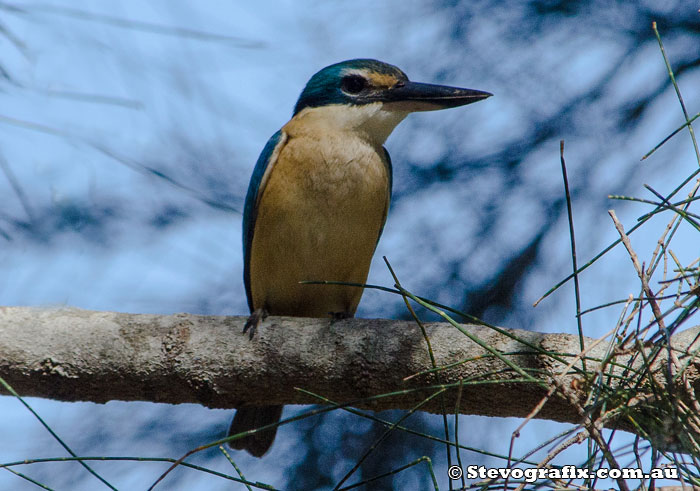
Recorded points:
255,187
389,171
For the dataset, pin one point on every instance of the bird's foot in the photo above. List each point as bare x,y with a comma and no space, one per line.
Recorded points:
339,316
254,321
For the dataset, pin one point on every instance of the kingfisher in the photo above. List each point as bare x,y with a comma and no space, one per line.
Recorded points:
318,200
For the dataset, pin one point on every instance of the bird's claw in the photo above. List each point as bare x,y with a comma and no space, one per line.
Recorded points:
339,316
254,321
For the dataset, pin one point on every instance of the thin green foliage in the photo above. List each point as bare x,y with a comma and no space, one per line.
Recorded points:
12,391
445,424
386,433
419,460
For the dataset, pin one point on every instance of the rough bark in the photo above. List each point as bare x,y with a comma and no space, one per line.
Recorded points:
78,355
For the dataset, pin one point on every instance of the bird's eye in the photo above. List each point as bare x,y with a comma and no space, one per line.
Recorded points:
353,84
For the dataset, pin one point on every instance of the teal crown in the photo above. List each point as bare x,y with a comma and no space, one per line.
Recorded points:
336,83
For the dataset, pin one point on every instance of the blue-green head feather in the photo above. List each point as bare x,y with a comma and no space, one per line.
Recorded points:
349,82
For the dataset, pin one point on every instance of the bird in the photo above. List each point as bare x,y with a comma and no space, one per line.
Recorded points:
318,199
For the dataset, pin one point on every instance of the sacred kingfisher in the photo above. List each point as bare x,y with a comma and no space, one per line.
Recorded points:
318,199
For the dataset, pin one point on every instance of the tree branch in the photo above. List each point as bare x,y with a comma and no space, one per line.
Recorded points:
78,355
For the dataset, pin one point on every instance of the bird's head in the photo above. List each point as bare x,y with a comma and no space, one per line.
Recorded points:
374,96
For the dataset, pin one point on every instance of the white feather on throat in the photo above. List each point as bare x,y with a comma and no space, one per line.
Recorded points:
373,122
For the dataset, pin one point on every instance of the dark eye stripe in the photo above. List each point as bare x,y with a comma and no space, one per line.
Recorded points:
353,84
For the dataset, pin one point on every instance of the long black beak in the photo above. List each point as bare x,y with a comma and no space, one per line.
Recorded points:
415,96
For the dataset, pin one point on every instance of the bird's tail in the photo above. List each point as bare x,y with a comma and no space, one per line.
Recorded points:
251,418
